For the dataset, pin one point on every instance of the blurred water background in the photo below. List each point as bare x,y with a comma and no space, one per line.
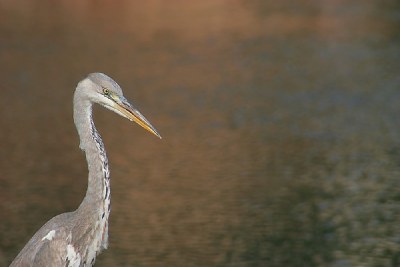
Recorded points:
280,122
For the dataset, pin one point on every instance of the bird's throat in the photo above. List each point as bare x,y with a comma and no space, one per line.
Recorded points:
97,201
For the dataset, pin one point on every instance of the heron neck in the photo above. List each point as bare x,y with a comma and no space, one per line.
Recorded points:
98,192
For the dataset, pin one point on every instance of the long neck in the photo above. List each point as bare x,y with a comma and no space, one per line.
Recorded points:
97,197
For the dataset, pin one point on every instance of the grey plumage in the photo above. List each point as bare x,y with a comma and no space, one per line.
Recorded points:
76,238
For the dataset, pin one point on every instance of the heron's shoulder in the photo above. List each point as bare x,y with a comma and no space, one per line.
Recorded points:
58,227
46,246
60,224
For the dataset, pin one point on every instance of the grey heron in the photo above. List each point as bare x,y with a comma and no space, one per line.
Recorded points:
76,238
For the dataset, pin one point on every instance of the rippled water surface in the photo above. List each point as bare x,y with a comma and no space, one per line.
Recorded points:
280,125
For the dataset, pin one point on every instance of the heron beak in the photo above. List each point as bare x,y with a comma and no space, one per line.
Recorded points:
123,106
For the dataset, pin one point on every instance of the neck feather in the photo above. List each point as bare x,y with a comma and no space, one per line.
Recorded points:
97,199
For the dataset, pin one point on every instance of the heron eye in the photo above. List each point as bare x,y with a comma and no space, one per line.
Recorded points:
106,91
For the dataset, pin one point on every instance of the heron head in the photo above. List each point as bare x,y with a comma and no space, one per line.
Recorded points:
106,92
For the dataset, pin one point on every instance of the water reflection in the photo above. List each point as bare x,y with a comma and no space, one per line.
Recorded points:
280,126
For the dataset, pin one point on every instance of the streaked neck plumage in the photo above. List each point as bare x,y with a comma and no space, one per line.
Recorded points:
96,203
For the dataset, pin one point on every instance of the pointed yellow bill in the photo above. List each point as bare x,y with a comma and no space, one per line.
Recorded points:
123,106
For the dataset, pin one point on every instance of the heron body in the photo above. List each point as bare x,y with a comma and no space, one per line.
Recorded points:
76,238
